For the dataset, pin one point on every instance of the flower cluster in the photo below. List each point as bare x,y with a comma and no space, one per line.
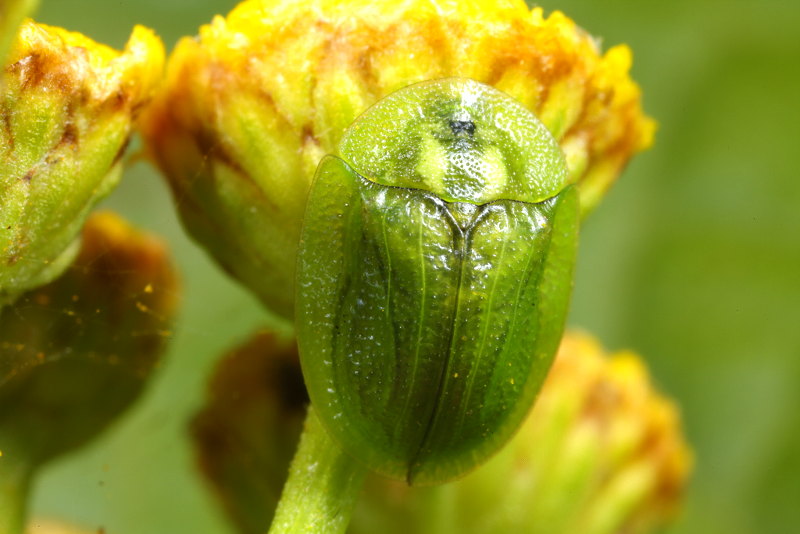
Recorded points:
602,451
251,105
238,123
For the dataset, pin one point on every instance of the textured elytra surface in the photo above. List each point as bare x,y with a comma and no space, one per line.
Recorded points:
426,327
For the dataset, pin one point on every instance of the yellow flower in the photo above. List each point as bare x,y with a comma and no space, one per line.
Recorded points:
602,452
253,103
103,325
247,433
66,111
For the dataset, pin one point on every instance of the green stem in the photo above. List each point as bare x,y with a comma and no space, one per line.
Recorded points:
322,488
15,479
437,509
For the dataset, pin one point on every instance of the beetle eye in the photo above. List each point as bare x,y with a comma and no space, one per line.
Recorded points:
460,127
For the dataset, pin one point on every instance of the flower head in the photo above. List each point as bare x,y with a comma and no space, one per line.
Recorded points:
252,105
250,425
76,352
66,111
602,452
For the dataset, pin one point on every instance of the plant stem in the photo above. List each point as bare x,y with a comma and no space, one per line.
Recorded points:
432,509
15,476
323,485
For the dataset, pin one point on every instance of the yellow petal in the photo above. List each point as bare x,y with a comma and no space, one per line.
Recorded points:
252,104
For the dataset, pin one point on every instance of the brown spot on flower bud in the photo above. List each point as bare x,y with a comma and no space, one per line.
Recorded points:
66,114
253,103
84,344
246,434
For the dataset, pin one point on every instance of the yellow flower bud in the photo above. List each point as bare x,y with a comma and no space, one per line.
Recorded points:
76,352
252,104
602,452
247,433
66,110
99,328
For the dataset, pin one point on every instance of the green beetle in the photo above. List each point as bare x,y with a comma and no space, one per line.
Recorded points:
434,274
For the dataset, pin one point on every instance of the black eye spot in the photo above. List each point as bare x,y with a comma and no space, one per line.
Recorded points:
462,127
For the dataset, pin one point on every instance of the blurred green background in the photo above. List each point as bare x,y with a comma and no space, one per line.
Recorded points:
693,260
